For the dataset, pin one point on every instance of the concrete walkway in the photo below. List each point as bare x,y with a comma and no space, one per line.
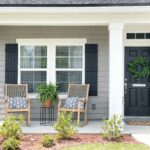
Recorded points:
91,127
144,138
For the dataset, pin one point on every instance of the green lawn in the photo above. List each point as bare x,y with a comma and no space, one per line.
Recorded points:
111,146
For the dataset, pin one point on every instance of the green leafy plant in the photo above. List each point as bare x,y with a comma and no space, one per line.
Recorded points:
48,141
112,128
11,127
65,125
145,67
11,144
47,92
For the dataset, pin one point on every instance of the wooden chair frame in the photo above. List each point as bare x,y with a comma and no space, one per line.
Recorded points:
77,110
27,110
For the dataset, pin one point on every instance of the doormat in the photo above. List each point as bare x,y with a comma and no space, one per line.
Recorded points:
140,123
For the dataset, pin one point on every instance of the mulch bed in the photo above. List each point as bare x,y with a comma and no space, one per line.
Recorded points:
33,141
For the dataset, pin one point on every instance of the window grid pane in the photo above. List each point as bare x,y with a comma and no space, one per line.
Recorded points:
33,57
63,78
33,79
73,59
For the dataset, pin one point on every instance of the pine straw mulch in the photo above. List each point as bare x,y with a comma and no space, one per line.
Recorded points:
33,141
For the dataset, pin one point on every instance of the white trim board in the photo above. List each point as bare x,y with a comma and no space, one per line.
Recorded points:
76,10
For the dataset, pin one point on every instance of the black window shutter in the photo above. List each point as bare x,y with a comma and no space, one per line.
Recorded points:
11,63
91,67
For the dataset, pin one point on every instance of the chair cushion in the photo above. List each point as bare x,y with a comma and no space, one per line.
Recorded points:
17,102
72,103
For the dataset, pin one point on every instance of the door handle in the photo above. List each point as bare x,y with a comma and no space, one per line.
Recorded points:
125,88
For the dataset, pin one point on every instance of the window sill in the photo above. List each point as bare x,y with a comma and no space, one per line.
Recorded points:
34,96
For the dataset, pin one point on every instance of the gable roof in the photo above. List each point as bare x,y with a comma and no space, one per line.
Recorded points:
65,3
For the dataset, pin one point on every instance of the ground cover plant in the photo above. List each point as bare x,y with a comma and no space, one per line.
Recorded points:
11,144
48,141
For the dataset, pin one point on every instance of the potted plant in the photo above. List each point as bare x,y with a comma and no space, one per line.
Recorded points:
47,94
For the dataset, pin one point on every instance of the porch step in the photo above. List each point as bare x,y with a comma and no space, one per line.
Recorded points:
137,118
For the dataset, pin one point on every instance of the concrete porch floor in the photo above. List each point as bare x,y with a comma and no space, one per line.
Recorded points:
91,127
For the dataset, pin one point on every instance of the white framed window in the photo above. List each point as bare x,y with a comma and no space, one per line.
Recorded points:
59,61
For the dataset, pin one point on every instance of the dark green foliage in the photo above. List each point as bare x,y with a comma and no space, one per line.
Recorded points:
133,67
47,92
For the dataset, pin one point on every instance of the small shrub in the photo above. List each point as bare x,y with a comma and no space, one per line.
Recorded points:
11,144
48,141
65,126
11,127
112,128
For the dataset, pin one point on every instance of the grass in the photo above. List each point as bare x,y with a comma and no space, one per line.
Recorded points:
110,146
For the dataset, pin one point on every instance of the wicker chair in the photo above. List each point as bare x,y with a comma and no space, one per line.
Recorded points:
80,91
15,90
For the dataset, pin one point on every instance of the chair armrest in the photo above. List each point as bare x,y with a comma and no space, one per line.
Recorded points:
6,99
28,101
83,100
62,100
6,103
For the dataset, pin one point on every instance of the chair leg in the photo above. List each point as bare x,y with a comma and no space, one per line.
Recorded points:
6,114
85,119
28,118
78,118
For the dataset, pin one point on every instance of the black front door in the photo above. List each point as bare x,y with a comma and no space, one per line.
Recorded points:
137,92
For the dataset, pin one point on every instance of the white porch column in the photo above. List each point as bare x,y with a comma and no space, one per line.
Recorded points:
116,69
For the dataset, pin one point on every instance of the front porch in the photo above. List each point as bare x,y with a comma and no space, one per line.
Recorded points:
111,61
110,36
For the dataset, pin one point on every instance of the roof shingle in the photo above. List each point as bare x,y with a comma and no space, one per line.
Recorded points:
74,2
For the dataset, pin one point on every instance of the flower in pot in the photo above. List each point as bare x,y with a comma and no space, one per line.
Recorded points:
47,94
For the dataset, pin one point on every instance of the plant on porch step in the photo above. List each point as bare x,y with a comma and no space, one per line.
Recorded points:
112,128
47,94
133,67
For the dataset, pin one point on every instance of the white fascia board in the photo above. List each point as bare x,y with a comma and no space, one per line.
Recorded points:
77,10
65,22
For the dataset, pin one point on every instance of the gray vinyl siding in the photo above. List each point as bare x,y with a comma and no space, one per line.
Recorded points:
98,35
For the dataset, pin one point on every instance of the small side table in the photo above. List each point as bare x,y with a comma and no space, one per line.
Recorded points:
47,115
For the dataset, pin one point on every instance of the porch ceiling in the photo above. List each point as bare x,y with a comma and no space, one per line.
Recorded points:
72,19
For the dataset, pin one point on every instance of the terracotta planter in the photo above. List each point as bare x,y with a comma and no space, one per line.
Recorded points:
47,103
